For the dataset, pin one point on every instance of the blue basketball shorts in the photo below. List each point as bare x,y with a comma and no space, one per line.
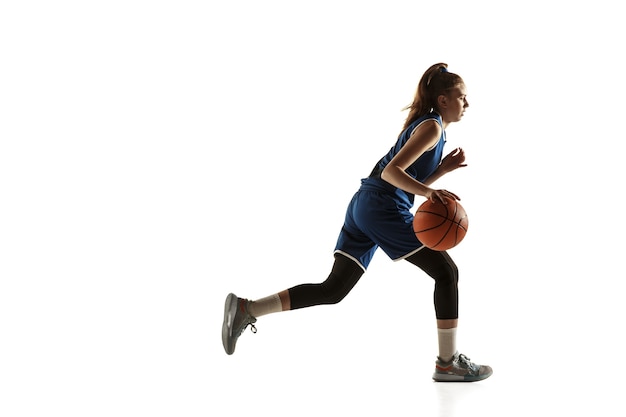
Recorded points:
375,219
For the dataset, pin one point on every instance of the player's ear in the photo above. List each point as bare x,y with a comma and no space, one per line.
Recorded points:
442,101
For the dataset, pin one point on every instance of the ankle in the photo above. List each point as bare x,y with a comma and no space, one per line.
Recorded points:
447,343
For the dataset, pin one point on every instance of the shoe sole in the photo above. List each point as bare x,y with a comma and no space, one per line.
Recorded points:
230,309
459,378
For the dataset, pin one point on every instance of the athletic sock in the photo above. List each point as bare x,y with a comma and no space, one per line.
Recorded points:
263,306
447,343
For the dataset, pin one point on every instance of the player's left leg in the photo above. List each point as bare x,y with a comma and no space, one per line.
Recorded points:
239,313
450,365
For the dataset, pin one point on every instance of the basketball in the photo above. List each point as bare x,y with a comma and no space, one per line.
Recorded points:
440,226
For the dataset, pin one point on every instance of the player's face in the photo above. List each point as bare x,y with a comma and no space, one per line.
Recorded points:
456,103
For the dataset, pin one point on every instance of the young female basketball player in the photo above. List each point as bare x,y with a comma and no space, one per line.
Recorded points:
378,216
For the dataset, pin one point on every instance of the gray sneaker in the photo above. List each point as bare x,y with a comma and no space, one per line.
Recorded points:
236,319
460,369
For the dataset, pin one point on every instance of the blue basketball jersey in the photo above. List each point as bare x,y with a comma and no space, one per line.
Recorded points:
421,169
378,214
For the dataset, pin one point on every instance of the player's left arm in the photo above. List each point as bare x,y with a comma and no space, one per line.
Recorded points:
452,161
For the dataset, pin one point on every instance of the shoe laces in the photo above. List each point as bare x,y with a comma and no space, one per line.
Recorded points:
471,366
464,359
243,328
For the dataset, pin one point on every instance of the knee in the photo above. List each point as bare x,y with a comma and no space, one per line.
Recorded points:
342,279
448,274
334,289
332,295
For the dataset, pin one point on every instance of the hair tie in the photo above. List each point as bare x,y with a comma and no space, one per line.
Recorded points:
432,74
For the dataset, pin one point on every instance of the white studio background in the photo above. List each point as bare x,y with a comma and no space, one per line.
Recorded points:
155,156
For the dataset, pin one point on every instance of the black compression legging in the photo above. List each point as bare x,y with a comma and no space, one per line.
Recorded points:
343,277
346,273
444,271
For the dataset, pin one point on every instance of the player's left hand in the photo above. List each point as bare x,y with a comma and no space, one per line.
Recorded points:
453,160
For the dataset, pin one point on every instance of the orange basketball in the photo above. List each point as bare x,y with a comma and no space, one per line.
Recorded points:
440,226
